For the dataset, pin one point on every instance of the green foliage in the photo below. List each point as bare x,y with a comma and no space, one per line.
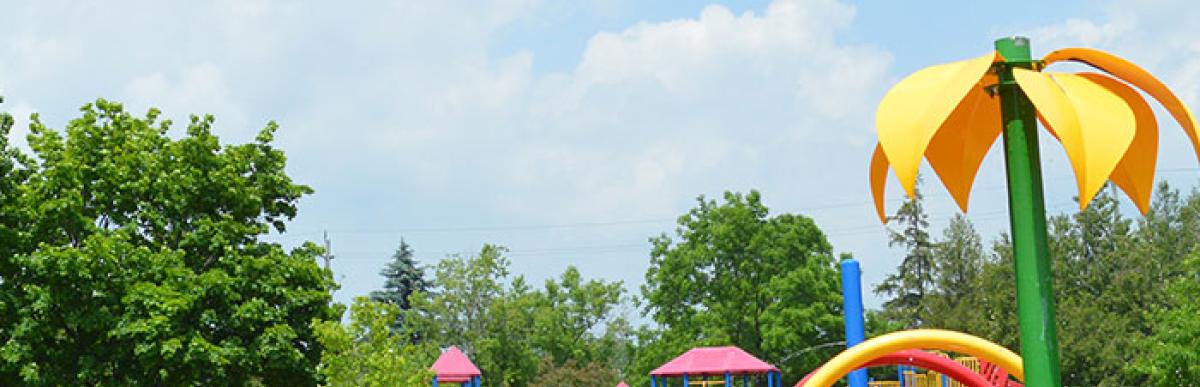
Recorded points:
368,353
572,309
130,258
1108,271
402,277
571,374
914,277
735,275
1172,351
508,328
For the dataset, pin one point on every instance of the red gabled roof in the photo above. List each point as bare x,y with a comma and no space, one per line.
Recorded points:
714,361
454,366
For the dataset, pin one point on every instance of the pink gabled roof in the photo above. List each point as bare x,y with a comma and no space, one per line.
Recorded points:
454,366
714,361
622,384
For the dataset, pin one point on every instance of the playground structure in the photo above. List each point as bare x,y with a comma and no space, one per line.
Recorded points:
715,366
453,366
964,371
950,115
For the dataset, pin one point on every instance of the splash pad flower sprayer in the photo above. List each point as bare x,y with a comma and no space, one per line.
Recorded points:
951,114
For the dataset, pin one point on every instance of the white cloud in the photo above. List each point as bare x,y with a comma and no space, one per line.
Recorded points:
404,114
1158,35
201,89
714,95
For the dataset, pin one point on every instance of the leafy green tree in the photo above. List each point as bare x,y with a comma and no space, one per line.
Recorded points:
573,310
131,258
1172,354
470,306
402,277
369,353
914,277
573,374
733,274
454,311
508,330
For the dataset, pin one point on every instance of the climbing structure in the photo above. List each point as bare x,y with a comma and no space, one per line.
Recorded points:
714,366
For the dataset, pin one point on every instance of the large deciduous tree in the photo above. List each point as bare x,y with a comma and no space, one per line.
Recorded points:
132,258
734,274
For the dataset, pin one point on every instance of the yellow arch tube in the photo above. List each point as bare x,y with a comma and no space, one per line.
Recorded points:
853,358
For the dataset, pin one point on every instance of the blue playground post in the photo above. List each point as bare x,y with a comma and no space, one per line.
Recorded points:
852,307
728,379
435,381
745,380
685,381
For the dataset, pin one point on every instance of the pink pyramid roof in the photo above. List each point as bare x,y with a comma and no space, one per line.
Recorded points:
714,361
454,366
622,384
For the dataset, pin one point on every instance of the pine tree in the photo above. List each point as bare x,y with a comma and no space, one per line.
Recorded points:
402,277
914,277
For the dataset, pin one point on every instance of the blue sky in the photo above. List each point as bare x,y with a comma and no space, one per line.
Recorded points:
570,132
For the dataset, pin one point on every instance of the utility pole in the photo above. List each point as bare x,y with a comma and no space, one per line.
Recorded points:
328,255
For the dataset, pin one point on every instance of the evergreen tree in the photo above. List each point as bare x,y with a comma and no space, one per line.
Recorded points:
914,277
959,261
402,277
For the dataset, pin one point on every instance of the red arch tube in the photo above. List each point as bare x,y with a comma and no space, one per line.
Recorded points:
928,361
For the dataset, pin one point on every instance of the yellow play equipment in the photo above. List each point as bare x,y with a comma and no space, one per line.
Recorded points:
909,378
855,357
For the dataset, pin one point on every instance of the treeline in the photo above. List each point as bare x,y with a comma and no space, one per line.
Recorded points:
132,257
1126,288
731,274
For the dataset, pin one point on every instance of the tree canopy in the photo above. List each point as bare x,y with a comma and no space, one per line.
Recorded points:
132,258
1121,288
735,275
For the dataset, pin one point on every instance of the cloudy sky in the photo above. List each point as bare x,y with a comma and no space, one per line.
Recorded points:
570,132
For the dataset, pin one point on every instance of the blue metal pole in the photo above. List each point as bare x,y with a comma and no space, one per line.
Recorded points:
728,379
745,380
852,307
685,380
653,383
435,381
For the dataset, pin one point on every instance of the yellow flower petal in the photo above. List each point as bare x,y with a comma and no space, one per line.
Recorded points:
1103,129
1057,115
1135,173
879,166
958,148
1142,79
913,111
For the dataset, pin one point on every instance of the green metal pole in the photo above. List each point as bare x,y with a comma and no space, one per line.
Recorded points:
1027,213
